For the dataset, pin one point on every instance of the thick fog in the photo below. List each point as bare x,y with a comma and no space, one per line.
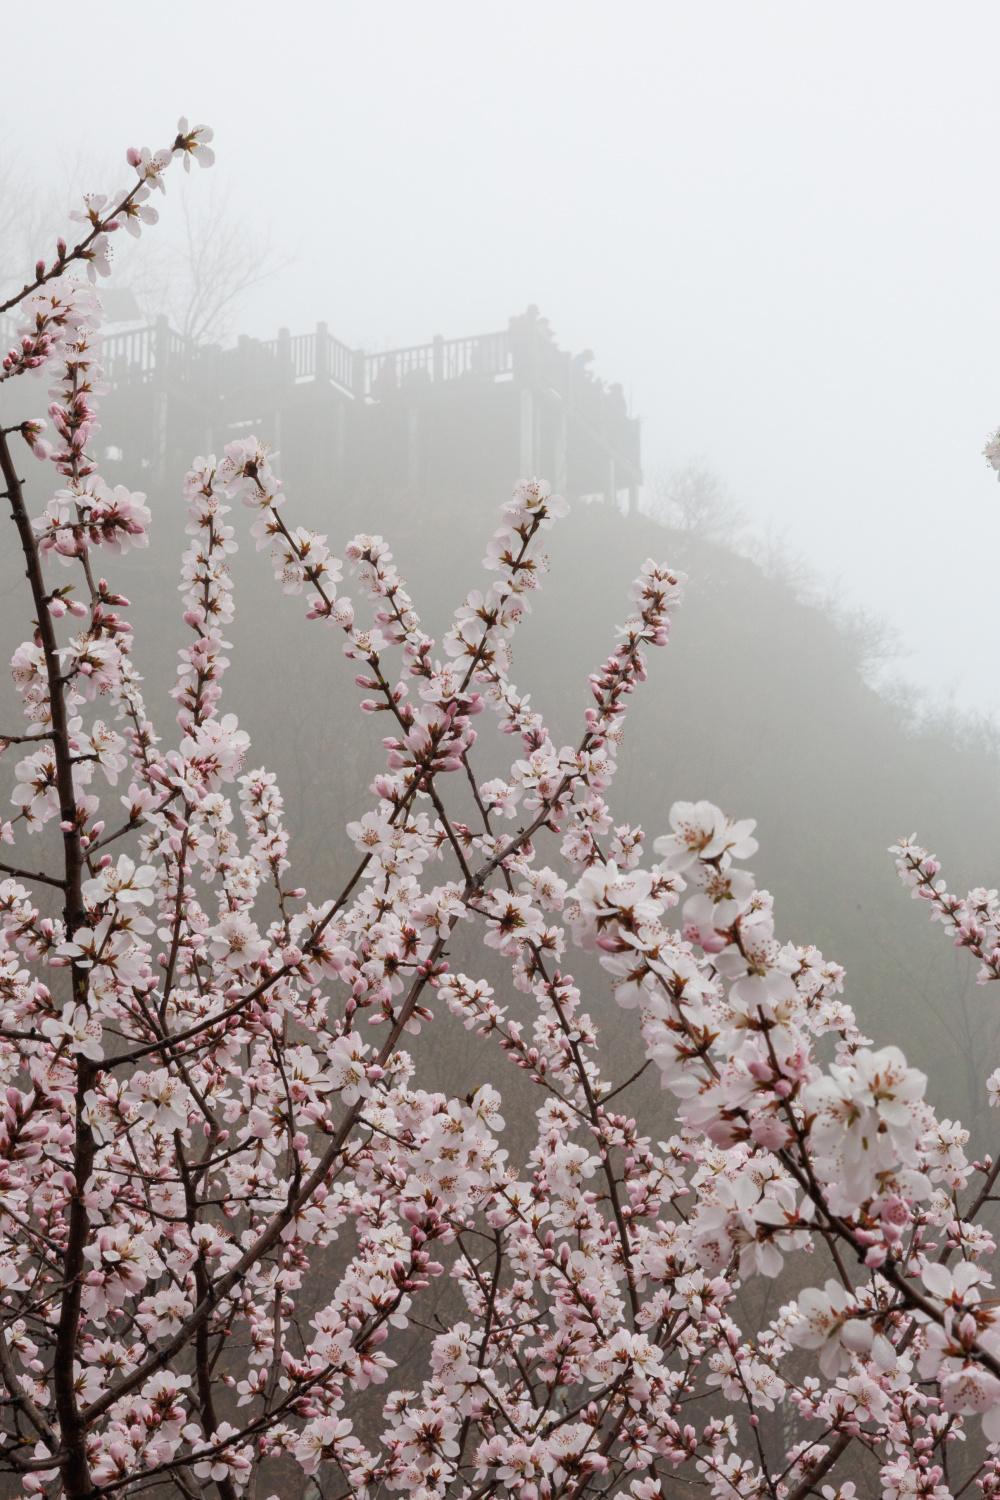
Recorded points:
777,225
769,231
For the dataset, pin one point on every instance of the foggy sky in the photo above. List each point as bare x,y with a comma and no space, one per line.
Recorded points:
777,224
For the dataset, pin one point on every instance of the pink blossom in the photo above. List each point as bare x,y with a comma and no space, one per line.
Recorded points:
209,1078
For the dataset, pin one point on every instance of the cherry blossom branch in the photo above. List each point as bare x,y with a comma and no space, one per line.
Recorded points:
186,143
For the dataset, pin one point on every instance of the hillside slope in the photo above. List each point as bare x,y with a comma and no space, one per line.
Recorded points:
757,704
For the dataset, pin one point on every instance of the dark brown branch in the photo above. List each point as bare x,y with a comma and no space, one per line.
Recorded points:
75,1469
20,1398
822,1468
33,875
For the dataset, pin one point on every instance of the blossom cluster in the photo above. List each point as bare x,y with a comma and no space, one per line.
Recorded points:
229,1212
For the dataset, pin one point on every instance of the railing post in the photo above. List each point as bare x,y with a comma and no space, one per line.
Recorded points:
161,347
285,371
322,363
359,359
437,359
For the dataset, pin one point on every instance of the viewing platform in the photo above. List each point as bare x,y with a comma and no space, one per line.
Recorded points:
466,412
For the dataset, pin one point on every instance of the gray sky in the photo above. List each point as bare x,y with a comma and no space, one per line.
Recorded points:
778,224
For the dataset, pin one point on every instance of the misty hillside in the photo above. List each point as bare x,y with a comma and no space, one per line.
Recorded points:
757,704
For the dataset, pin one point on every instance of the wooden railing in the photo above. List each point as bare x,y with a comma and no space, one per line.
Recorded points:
157,353
141,354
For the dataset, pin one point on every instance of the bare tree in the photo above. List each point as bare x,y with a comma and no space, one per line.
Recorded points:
695,499
203,269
